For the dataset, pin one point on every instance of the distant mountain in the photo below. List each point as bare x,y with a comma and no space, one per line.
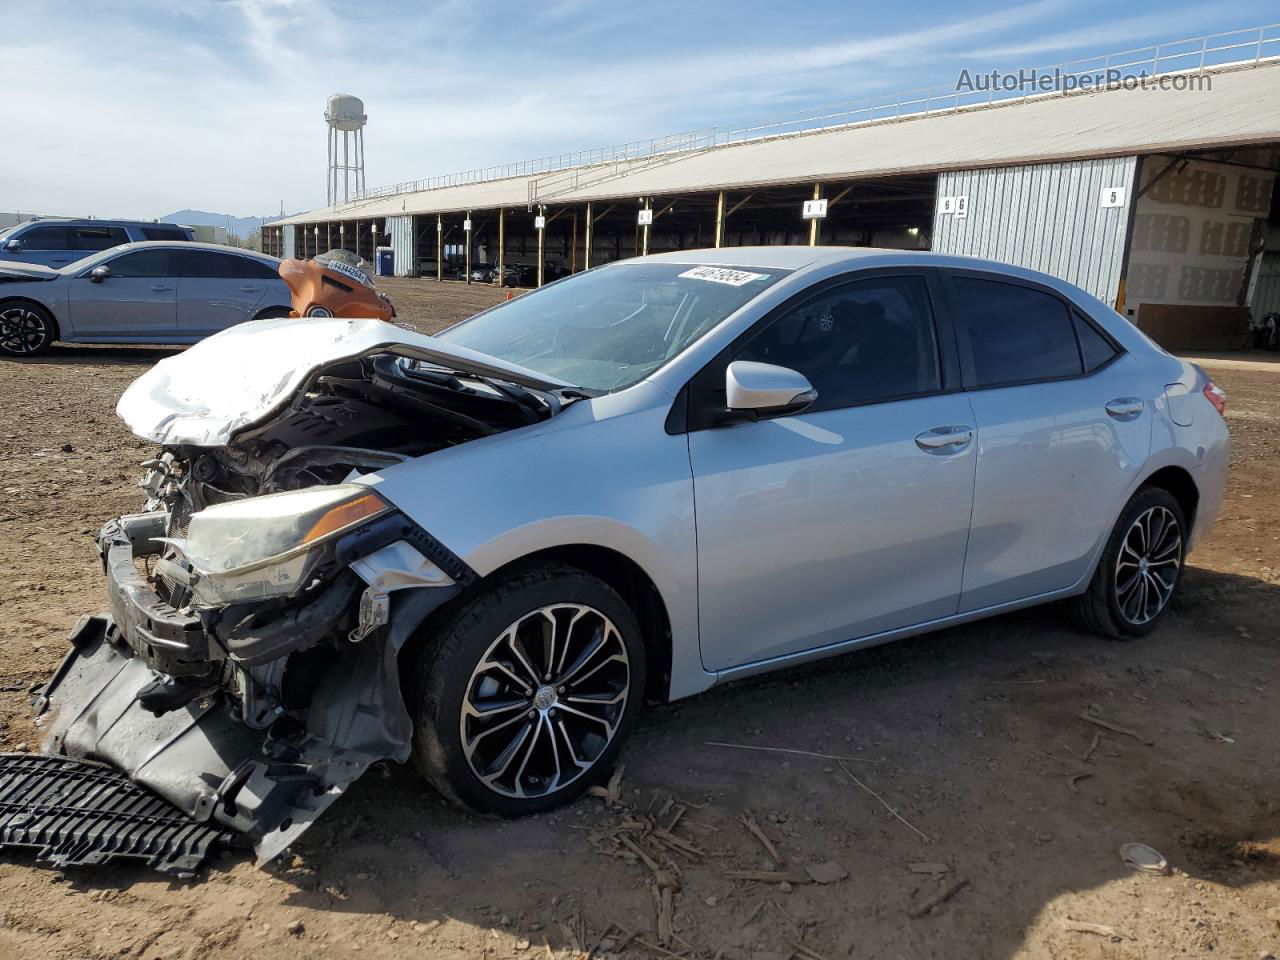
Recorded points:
240,226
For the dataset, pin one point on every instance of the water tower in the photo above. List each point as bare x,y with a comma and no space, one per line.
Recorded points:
345,116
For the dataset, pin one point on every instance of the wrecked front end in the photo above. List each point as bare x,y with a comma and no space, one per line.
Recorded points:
247,667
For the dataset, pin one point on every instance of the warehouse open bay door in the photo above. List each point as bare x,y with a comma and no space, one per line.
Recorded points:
1070,220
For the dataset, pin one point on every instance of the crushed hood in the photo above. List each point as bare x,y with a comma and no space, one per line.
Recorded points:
241,376
12,272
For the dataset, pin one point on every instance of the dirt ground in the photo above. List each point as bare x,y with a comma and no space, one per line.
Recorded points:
972,735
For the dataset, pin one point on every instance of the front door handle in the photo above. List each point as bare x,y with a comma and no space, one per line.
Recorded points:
160,288
250,289
944,439
1125,408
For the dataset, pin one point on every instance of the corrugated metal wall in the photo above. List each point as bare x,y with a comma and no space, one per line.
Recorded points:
1266,295
1046,216
288,242
401,231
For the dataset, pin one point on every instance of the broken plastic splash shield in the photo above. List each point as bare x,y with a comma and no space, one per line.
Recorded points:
75,813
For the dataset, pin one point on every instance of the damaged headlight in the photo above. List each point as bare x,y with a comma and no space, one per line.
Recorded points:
266,546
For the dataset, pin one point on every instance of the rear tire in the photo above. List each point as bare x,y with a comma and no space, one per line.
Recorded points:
527,692
26,329
1139,571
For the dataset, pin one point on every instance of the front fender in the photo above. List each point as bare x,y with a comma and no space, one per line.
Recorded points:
602,473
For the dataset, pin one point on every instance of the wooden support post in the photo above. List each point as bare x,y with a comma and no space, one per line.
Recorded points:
573,246
466,236
586,253
542,231
439,248
813,224
720,220
502,246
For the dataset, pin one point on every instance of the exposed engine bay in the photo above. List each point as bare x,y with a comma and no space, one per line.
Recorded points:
248,668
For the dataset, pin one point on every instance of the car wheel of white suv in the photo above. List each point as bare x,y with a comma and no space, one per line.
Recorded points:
528,691
1140,568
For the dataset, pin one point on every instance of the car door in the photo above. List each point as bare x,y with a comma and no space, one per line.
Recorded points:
48,244
850,518
1061,435
216,290
135,302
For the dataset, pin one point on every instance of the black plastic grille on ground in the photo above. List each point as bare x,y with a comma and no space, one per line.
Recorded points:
74,812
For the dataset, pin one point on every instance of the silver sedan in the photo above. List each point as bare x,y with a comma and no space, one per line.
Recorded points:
635,483
152,292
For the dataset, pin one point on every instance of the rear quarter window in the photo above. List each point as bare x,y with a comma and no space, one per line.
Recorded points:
164,233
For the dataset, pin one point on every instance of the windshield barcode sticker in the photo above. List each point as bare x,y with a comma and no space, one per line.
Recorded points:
735,278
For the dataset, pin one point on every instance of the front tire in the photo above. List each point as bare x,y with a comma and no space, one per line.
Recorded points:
1140,568
528,690
26,329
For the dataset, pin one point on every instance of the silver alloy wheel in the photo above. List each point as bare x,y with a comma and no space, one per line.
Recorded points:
545,700
22,330
1147,566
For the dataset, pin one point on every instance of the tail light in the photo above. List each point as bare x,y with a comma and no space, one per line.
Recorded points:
1215,395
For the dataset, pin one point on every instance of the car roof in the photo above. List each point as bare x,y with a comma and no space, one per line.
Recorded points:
189,245
102,221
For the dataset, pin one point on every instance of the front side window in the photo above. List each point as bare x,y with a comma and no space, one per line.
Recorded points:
861,342
1012,334
45,238
611,327
141,264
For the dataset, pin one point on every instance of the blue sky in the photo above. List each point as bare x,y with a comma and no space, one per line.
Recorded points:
140,107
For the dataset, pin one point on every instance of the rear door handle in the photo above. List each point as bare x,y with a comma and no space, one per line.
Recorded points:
250,289
160,288
1125,408
944,439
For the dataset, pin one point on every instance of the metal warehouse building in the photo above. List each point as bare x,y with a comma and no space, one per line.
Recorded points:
1151,187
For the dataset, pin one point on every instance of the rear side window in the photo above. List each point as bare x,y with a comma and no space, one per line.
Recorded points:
249,269
45,238
862,342
1012,334
164,233
97,238
141,264
1096,350
203,264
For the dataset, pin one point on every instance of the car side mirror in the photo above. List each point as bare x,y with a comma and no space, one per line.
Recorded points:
13,245
98,274
758,391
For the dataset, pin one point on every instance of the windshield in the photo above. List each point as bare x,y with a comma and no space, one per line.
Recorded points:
613,326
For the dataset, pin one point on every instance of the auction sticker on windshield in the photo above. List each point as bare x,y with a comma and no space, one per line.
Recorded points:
734,278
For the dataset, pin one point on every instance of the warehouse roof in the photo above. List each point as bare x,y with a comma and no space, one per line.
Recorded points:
1242,106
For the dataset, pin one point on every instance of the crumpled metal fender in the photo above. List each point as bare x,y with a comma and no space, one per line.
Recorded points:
206,760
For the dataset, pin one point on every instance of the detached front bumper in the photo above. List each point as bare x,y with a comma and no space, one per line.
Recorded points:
228,749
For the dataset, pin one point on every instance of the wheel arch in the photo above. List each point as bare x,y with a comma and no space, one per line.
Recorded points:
1181,485
619,572
53,317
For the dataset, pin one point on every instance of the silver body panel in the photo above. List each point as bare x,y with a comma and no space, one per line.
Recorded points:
780,541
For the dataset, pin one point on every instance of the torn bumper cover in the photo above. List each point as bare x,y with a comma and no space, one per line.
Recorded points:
256,723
